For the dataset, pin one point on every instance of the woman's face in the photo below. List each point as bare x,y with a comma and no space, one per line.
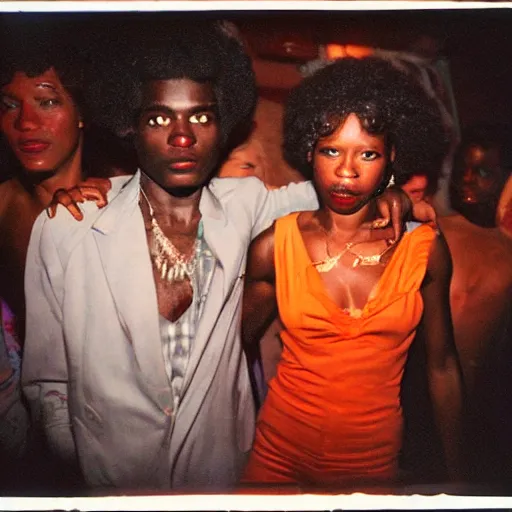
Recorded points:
349,165
40,121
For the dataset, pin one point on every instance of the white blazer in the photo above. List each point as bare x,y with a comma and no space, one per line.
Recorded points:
93,368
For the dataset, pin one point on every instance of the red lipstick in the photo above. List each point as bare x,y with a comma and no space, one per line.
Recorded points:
343,200
33,146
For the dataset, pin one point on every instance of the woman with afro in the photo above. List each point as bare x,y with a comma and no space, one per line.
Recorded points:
350,301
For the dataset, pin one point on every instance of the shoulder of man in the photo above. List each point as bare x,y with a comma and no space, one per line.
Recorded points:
65,231
242,189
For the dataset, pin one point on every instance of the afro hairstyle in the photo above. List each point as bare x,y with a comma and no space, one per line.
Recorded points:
387,102
204,51
35,48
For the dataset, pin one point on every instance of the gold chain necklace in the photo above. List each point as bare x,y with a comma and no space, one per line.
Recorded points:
168,260
327,264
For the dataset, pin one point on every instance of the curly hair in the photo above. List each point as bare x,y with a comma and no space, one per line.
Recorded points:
203,51
387,102
36,49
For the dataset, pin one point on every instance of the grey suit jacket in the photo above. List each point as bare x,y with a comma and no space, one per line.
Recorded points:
93,367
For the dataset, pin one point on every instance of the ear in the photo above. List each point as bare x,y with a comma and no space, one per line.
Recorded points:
309,157
392,155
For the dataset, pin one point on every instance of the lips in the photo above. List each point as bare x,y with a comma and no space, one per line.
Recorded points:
343,199
183,164
33,146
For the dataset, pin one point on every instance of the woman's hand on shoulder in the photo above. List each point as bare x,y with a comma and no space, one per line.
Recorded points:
92,189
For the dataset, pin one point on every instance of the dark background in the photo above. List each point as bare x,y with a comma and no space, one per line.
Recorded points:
476,42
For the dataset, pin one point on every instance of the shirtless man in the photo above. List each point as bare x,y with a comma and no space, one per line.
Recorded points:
481,291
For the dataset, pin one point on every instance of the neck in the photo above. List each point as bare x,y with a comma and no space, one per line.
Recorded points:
168,206
334,222
43,186
479,214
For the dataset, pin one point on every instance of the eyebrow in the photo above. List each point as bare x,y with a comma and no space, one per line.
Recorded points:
166,109
46,85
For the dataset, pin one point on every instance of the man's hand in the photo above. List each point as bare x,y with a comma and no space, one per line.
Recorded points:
92,189
394,205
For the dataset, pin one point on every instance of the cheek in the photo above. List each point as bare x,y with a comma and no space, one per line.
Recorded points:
64,126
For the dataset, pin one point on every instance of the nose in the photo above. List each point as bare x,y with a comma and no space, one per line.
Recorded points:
346,168
28,118
181,135
469,175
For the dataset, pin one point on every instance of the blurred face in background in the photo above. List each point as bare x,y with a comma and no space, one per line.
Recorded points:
245,160
416,188
477,181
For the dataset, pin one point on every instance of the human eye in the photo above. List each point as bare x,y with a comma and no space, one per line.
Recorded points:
483,173
247,165
49,102
201,118
158,121
370,155
329,152
8,103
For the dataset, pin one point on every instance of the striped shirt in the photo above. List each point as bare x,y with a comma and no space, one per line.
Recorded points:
178,337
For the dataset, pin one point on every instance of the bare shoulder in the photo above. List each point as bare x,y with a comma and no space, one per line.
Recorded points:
260,265
307,221
440,259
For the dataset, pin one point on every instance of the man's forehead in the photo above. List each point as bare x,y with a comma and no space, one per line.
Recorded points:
178,94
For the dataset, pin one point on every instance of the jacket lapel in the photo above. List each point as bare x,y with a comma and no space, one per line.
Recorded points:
126,262
225,243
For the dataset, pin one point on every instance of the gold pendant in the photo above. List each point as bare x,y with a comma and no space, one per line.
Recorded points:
327,264
366,261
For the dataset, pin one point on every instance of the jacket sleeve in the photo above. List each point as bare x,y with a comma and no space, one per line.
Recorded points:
44,373
271,204
14,420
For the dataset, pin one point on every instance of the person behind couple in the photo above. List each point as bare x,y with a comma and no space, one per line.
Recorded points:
481,296
350,303
46,143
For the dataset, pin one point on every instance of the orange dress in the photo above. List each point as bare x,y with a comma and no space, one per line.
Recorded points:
332,414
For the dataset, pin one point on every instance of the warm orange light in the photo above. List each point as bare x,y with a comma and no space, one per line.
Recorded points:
339,51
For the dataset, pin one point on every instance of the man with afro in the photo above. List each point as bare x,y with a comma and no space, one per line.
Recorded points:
134,312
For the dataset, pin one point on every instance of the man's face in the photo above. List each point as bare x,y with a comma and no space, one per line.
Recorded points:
177,133
477,180
40,121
